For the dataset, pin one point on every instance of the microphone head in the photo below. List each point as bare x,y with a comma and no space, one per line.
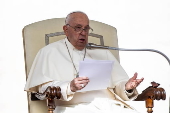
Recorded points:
95,46
89,45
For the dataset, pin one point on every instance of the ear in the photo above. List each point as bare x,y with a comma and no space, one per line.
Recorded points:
65,29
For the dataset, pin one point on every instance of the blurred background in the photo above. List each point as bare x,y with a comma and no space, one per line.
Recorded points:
139,24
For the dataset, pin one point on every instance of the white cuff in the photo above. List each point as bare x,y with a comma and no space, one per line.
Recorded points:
129,94
69,92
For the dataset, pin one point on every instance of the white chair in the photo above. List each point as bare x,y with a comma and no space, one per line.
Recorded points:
39,34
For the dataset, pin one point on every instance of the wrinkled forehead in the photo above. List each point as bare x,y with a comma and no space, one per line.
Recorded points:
77,19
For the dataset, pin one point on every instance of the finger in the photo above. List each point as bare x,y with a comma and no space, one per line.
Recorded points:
86,83
77,82
79,86
140,80
82,85
137,83
134,76
83,82
82,78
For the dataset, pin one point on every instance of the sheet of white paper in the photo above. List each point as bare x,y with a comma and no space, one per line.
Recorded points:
98,71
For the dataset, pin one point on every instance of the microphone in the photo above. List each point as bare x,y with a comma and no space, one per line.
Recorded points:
95,46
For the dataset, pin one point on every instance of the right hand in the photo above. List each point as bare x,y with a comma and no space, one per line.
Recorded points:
77,83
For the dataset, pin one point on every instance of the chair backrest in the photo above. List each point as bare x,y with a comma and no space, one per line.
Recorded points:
39,34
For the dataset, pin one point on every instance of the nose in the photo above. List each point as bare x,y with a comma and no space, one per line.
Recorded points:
83,32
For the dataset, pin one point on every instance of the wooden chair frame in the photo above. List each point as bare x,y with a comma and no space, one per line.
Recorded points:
148,95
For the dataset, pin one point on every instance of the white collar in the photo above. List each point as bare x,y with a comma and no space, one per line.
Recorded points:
70,46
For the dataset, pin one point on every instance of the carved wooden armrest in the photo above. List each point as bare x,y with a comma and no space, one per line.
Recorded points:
51,93
150,94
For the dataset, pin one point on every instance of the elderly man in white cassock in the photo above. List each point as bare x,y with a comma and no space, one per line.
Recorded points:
57,64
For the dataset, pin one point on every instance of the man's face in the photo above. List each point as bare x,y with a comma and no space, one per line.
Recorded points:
77,39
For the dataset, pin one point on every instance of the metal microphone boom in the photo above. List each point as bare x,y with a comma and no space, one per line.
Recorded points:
95,46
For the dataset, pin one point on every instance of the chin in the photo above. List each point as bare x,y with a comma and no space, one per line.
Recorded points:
81,47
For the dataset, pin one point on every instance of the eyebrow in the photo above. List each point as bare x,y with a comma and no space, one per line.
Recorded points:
81,25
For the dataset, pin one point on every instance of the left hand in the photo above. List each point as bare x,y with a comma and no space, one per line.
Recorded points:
133,82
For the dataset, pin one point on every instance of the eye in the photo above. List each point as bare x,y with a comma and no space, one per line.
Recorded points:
87,28
78,27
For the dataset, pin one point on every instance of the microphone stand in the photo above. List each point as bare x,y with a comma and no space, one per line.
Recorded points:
91,46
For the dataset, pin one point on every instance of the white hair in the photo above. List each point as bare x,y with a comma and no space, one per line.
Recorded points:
68,16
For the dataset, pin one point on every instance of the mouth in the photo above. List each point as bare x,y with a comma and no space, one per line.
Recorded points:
82,40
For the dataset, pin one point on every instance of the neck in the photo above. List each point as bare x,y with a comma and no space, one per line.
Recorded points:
79,48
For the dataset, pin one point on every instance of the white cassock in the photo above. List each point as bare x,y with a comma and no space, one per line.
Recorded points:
53,67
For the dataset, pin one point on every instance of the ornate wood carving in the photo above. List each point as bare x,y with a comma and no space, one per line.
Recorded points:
51,94
150,94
